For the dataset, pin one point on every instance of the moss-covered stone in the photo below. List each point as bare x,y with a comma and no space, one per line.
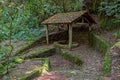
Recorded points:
43,53
102,46
99,43
117,44
38,72
72,58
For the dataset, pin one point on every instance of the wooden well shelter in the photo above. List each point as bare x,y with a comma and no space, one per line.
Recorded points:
69,19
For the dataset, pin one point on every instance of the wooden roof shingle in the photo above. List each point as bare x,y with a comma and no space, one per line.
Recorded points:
64,18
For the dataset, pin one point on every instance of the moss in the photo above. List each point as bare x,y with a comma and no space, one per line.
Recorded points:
99,43
18,60
43,53
106,69
38,72
117,44
72,58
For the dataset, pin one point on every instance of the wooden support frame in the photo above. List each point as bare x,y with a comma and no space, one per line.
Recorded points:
47,34
90,25
70,37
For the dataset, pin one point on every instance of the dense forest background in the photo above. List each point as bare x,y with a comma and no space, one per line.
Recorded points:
23,17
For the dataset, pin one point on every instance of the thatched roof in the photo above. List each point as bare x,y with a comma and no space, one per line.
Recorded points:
66,18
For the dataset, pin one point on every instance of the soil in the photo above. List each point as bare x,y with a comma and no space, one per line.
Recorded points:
25,68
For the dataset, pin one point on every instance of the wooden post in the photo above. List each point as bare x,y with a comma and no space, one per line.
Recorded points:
70,37
47,34
90,28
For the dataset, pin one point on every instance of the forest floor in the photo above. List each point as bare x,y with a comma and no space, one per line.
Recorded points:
65,70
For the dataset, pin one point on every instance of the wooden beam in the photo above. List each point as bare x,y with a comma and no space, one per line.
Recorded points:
70,37
47,34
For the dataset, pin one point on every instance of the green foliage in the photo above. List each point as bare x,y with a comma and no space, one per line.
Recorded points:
108,23
4,51
67,5
111,8
26,16
106,69
111,11
24,24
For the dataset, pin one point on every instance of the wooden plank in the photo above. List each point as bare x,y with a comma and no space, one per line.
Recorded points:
70,37
47,34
